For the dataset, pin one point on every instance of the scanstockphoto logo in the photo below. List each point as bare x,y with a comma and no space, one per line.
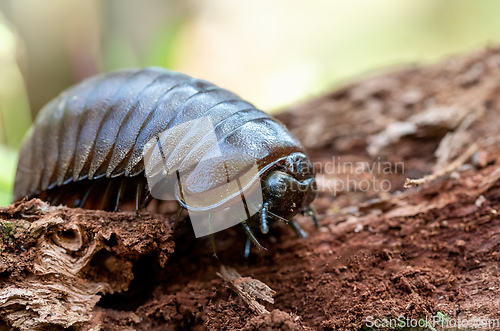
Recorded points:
185,164
429,323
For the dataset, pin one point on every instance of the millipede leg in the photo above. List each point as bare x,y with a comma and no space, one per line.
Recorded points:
263,219
138,195
309,211
146,200
59,195
246,252
79,203
212,243
298,230
251,236
105,197
49,196
212,235
119,196
178,216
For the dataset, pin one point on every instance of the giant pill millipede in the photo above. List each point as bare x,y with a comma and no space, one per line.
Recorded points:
88,147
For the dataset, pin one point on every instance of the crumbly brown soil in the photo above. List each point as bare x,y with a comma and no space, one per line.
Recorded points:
379,251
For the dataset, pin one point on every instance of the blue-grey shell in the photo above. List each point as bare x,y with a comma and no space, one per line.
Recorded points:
99,128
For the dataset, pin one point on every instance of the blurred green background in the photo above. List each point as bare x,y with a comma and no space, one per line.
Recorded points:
271,52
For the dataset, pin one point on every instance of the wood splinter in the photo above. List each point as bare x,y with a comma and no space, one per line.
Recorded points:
248,289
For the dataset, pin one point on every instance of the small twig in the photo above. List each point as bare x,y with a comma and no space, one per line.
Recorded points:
248,289
446,170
